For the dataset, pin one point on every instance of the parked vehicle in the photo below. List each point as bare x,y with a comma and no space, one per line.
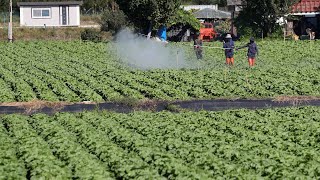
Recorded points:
207,32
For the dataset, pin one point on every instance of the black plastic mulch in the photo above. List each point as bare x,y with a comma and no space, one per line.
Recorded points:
194,105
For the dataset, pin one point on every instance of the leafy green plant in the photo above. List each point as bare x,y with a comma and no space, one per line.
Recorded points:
92,72
34,151
240,144
123,164
10,166
65,146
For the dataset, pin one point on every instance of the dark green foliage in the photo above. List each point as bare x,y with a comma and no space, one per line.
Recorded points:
96,5
261,16
87,4
113,20
4,5
91,35
142,12
183,17
99,5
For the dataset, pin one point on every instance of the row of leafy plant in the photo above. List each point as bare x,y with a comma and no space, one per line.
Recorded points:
239,144
75,71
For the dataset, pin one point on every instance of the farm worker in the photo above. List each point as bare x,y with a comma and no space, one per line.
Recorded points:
197,45
162,34
228,46
252,51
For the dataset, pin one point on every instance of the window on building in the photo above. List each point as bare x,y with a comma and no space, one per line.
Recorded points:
41,13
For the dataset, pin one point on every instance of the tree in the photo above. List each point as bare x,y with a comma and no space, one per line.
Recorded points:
4,5
143,12
184,18
92,5
262,15
113,19
96,5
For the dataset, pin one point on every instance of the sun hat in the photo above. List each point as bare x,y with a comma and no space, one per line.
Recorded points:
228,36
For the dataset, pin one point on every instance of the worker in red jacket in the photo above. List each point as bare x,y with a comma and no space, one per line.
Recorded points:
252,51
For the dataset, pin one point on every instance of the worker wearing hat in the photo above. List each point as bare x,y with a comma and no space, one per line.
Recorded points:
228,46
252,51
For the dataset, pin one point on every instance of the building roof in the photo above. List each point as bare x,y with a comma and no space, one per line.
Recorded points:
306,6
211,14
49,3
199,7
234,2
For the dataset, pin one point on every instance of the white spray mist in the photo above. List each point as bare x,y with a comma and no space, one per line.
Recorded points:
139,52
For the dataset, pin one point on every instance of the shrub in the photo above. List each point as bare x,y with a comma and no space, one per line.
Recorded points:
278,33
113,20
91,35
223,27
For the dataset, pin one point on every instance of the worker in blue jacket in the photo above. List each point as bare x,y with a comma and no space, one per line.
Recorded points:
162,33
252,51
228,46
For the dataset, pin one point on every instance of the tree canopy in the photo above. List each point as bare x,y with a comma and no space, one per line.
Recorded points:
143,12
102,4
262,15
184,18
87,4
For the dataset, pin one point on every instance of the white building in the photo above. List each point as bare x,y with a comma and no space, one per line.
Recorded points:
44,14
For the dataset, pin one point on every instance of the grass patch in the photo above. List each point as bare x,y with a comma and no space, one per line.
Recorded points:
50,33
175,108
129,101
90,19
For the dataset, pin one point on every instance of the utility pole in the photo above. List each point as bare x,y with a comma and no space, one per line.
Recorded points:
10,24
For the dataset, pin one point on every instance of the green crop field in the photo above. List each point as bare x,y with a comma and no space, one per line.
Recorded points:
242,144
75,71
239,144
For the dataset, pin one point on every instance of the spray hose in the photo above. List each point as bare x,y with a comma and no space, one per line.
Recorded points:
211,47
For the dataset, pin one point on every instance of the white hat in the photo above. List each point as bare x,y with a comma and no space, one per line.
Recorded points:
228,36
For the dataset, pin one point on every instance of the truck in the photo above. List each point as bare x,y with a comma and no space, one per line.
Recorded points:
207,32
